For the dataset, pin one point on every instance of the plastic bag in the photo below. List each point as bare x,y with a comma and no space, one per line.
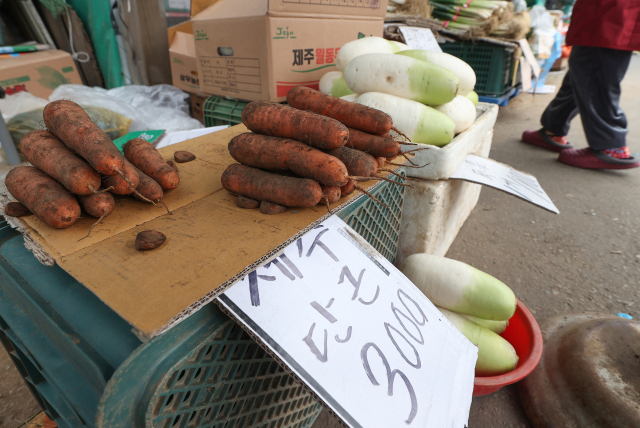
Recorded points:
115,125
149,107
20,102
519,6
541,19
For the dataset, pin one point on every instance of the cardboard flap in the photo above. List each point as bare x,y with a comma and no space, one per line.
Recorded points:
224,9
210,241
183,43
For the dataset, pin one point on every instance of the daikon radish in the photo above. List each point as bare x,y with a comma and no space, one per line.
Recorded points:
332,83
473,96
461,110
459,287
401,76
496,356
495,326
422,124
465,73
351,98
366,45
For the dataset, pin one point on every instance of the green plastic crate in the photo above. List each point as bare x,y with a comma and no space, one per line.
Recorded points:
379,225
221,111
493,65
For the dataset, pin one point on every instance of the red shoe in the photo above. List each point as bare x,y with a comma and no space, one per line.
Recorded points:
541,139
596,159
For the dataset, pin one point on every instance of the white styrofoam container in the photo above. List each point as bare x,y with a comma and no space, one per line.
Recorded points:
443,161
435,210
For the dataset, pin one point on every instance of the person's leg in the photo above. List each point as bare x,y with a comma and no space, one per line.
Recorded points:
558,115
597,73
555,120
596,76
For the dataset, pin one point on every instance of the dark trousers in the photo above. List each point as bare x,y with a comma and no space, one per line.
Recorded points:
591,87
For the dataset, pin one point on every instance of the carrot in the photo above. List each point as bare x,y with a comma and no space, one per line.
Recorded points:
353,115
348,188
381,162
263,186
358,163
375,145
278,120
247,203
269,208
275,153
330,194
98,205
47,153
69,122
148,188
173,165
43,196
118,185
146,158
16,209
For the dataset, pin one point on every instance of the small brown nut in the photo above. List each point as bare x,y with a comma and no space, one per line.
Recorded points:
16,209
182,156
173,165
269,208
244,202
149,239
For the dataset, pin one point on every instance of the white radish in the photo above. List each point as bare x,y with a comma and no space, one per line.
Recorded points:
422,124
351,98
401,76
459,287
461,110
332,83
495,326
366,45
496,356
455,65
473,97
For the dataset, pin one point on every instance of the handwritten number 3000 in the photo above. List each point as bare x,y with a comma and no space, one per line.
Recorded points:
391,374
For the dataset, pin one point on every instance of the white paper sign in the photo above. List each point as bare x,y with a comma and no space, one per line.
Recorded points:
420,38
358,333
503,177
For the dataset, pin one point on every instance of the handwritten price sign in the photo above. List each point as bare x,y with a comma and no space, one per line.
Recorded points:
358,333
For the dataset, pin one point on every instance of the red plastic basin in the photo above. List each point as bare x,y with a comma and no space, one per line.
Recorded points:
524,335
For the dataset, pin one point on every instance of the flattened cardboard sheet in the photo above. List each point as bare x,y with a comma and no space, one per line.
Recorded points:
210,242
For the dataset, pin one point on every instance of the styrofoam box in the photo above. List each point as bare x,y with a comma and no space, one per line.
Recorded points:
443,161
435,210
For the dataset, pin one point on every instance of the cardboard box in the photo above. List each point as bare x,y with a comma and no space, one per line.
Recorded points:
182,54
197,107
38,73
259,49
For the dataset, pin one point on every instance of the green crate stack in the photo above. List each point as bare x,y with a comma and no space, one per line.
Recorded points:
87,368
493,65
221,111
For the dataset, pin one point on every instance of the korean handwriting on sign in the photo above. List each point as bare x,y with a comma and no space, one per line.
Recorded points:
284,33
192,80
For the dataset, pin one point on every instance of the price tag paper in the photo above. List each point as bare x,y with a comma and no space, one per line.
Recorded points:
358,333
503,177
420,38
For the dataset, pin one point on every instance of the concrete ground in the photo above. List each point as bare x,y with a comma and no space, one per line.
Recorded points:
585,259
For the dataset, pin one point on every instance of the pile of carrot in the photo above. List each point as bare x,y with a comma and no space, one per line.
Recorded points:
76,167
313,151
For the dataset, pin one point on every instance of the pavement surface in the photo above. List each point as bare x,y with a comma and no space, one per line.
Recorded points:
586,259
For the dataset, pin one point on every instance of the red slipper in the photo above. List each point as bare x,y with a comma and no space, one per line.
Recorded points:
596,159
541,139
